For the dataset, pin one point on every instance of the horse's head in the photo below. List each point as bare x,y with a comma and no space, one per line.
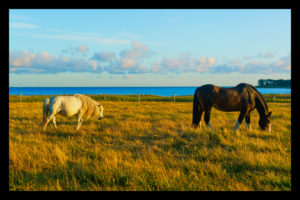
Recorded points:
265,122
100,110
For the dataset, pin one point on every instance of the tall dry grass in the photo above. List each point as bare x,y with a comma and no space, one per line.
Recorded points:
148,146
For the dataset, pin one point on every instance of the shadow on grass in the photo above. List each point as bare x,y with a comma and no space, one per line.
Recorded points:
244,171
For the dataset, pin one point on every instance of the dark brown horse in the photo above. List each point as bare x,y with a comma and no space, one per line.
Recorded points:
243,98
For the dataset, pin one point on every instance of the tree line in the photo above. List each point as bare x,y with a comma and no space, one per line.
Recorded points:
274,83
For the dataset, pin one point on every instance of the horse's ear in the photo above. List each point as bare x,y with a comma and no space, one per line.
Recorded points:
269,114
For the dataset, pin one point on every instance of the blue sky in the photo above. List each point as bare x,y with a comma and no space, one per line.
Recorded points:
148,47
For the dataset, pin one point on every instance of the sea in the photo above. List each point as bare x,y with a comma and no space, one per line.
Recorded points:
160,91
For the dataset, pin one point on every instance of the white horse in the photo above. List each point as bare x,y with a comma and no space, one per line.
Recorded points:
68,106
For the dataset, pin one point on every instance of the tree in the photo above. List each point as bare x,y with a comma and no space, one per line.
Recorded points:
274,83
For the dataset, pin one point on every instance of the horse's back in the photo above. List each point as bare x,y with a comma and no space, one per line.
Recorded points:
206,95
67,105
206,89
225,99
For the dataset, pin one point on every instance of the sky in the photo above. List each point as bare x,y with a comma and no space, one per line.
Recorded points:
147,47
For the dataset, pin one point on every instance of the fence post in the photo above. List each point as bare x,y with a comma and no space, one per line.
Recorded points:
104,97
274,97
174,97
21,97
138,96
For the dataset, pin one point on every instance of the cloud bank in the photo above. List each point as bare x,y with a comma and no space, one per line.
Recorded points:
132,61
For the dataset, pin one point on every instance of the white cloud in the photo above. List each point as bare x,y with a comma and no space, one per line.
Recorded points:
137,51
82,48
94,64
43,58
73,36
127,63
155,67
203,63
27,62
131,62
267,54
255,66
22,25
284,63
19,58
104,56
211,61
183,63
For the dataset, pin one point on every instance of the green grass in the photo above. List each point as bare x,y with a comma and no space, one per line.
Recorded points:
148,146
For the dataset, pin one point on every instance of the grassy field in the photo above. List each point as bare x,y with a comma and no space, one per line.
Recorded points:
147,145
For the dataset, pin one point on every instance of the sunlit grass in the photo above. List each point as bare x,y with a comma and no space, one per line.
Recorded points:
148,146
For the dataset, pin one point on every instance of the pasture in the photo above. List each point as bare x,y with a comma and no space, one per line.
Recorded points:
148,146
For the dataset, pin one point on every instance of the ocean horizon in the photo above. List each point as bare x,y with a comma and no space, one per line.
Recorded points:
160,91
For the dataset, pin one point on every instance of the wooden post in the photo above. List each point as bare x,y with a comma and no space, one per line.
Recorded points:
138,96
273,97
104,97
174,97
21,97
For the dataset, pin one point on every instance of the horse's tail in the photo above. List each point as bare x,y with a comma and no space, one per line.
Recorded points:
196,112
45,111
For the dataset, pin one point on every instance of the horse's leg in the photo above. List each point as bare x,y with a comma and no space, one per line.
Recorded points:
247,122
79,122
45,119
207,118
201,114
54,122
240,119
198,124
45,116
197,114
50,117
45,112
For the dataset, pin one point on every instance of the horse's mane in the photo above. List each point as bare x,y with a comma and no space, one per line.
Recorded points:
89,106
260,101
